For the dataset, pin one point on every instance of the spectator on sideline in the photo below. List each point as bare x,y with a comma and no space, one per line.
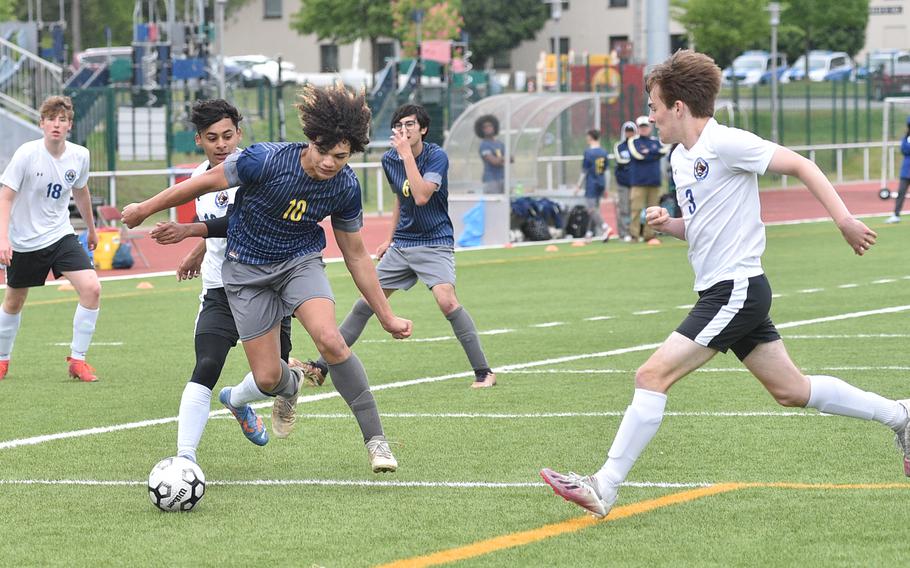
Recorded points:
905,177
621,176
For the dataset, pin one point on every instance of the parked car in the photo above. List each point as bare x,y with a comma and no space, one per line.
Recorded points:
753,68
823,66
885,61
255,69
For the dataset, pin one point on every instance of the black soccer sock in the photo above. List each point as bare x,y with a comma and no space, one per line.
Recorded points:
211,352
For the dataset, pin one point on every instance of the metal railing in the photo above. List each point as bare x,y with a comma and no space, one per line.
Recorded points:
26,79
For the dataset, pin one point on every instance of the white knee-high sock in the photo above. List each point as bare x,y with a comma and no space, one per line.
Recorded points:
834,396
83,330
9,327
246,392
638,426
194,413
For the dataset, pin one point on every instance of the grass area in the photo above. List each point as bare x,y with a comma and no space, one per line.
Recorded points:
721,426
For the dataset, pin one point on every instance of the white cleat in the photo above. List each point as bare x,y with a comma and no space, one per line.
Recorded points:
381,458
583,491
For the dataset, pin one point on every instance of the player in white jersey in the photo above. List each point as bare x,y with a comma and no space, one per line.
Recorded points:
36,236
218,133
716,172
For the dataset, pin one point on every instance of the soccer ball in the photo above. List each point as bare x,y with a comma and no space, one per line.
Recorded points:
176,484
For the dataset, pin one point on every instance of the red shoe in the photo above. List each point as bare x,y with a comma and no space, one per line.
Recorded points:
4,369
81,370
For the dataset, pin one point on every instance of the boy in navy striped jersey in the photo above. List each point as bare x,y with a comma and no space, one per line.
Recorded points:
273,263
421,246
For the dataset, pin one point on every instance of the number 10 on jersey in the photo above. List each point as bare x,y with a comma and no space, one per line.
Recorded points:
296,209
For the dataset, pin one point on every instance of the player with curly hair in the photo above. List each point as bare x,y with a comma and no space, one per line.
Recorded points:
273,264
492,152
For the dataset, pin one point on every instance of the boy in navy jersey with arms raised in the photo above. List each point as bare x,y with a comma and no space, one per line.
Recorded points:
274,256
421,246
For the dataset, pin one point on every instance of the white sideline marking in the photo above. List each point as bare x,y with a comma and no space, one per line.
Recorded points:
432,339
343,483
848,286
502,369
599,318
811,290
94,344
538,415
684,307
849,336
702,370
495,332
549,324
775,295
884,281
646,312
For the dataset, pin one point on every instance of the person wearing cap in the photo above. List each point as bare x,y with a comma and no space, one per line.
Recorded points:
905,177
621,174
645,178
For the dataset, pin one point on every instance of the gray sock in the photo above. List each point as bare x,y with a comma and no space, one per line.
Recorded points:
288,384
466,332
350,380
353,323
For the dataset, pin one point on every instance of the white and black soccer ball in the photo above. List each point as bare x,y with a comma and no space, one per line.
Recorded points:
176,484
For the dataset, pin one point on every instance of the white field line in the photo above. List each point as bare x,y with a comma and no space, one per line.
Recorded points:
549,324
599,318
811,290
94,343
884,281
399,384
702,370
342,483
545,415
646,312
850,336
848,286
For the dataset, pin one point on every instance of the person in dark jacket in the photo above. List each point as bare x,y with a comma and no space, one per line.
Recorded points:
645,178
621,173
905,177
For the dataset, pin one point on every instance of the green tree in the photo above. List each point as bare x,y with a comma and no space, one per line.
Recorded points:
820,24
7,10
441,20
725,28
495,26
344,22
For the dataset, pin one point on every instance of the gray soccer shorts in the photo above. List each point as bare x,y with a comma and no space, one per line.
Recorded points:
400,268
261,294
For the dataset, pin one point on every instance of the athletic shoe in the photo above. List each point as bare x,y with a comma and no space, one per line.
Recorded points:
250,423
583,491
488,380
4,369
654,242
81,370
381,458
284,410
313,372
627,239
903,438
893,219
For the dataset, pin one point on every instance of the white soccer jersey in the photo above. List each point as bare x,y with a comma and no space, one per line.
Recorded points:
43,184
717,189
211,206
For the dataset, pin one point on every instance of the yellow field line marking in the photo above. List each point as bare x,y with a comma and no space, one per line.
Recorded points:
547,531
573,525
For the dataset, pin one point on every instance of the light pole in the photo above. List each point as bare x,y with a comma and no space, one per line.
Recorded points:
556,14
774,9
219,19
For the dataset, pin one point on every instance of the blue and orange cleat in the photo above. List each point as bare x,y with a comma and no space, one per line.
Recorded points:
250,423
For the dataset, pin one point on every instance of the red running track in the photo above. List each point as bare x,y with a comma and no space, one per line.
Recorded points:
777,205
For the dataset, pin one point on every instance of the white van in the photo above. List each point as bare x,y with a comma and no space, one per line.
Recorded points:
823,66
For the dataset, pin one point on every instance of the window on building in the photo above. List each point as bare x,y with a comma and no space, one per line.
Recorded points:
618,43
618,4
502,60
272,9
678,41
328,58
563,45
385,50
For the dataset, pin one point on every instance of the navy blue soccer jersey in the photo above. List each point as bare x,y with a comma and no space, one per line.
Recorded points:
594,165
429,224
278,206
